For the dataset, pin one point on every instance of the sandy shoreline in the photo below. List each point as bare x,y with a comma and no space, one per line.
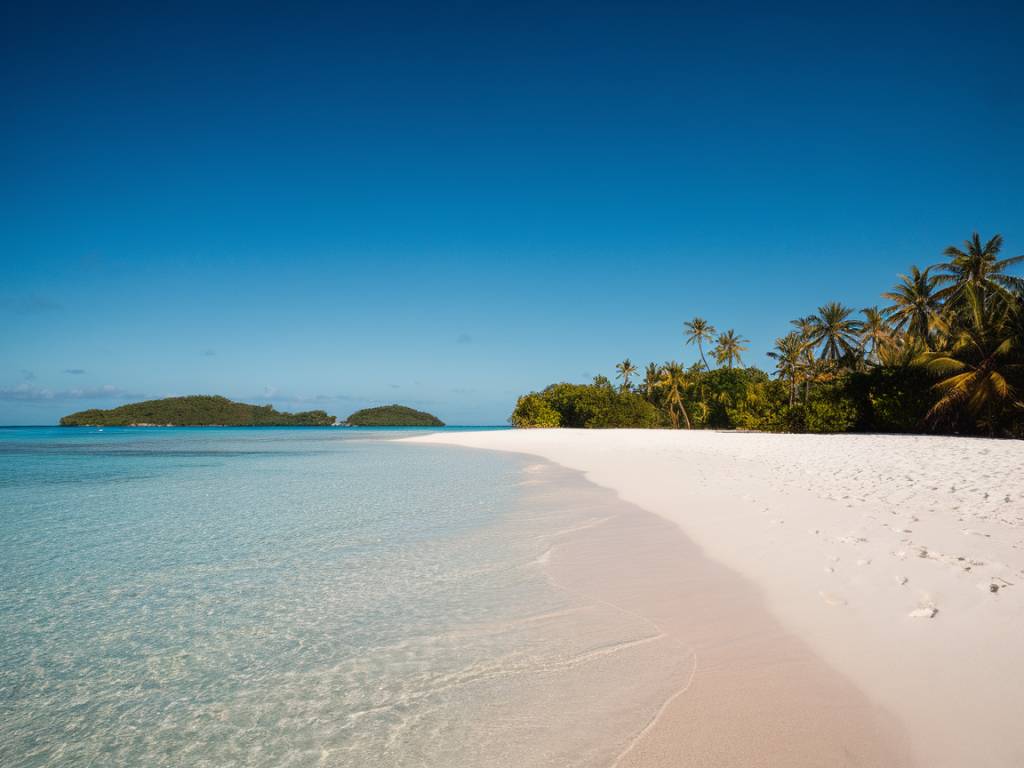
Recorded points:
743,691
880,553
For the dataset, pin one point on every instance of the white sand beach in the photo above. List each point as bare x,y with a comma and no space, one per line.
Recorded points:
898,560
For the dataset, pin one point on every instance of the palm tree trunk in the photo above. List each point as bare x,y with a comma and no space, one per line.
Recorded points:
686,416
700,348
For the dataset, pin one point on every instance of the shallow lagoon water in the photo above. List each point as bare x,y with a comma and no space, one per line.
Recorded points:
299,597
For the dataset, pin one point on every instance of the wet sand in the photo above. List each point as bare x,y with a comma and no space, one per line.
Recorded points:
896,560
750,693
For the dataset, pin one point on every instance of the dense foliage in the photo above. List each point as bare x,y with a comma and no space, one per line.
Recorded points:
393,416
196,411
946,355
585,405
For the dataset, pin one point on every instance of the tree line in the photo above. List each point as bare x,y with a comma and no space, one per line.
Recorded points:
945,354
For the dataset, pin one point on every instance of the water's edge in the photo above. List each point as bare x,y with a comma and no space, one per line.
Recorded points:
747,691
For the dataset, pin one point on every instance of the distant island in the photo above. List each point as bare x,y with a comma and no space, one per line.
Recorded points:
216,411
195,411
393,416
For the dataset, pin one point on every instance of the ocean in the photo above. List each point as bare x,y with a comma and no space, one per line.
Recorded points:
303,597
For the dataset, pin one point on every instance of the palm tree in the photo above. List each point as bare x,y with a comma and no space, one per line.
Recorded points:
673,381
901,350
874,332
915,304
980,365
805,326
838,335
979,266
728,348
652,375
625,370
790,360
699,330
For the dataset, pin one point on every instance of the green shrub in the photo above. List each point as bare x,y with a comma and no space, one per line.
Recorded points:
585,406
760,407
533,410
892,399
829,410
730,397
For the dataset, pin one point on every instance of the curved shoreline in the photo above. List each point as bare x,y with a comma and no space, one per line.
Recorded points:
858,551
758,696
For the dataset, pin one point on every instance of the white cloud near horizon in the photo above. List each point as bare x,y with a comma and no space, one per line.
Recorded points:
28,393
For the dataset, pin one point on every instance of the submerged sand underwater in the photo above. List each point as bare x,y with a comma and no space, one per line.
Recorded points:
336,598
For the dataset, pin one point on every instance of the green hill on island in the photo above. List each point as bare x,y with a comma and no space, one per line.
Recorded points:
393,416
195,411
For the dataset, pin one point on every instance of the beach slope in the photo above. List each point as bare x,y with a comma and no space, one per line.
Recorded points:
898,559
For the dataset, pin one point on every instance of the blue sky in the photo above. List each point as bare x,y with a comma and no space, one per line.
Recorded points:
340,205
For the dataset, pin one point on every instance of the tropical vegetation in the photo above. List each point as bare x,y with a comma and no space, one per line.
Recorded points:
944,354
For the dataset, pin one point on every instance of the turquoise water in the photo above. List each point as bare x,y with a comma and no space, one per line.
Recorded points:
278,597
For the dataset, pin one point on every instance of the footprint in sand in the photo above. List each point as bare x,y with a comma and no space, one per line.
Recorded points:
926,609
831,599
971,532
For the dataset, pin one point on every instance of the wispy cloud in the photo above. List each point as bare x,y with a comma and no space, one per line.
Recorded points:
28,393
208,353
463,338
74,371
30,305
278,396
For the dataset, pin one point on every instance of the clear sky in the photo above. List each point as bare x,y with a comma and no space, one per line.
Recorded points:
446,205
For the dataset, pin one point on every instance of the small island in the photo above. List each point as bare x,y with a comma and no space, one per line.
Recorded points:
195,411
393,416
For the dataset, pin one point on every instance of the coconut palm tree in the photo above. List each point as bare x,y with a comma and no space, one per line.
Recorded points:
833,329
901,350
625,370
700,330
652,375
805,327
728,348
915,304
789,361
979,266
874,333
980,367
673,381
